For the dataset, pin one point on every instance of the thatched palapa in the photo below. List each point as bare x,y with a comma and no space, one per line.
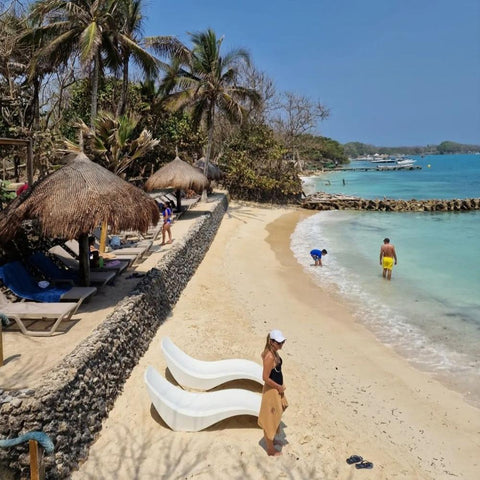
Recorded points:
178,175
213,171
76,199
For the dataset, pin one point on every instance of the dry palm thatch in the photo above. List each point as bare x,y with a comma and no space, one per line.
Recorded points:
213,171
178,175
76,198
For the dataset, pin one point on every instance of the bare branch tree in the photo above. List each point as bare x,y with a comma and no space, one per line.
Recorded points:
295,116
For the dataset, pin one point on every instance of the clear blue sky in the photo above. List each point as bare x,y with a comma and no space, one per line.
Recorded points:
393,72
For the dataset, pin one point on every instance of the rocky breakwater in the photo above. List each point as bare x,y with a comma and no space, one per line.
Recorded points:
326,201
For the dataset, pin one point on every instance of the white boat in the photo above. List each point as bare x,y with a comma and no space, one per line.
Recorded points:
384,160
406,162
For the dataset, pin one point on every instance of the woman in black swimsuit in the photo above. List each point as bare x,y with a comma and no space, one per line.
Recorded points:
274,401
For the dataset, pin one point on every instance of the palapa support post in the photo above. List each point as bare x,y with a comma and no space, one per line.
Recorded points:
178,195
103,237
37,468
1,345
84,260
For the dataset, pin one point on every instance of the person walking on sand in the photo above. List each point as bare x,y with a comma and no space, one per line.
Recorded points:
167,222
387,257
317,256
274,401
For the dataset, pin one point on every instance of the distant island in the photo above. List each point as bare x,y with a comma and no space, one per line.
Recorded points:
358,149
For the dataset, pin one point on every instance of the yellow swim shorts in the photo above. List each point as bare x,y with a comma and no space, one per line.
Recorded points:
387,263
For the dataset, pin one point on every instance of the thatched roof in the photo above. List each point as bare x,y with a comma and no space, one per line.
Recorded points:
213,171
179,175
77,198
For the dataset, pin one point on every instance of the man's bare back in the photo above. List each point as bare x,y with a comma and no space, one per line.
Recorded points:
388,250
387,258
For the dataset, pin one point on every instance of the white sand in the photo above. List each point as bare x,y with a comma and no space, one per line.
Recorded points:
348,393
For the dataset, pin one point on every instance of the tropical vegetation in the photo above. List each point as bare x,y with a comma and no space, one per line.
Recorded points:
66,81
358,149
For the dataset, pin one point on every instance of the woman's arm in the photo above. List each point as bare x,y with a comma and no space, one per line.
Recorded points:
268,365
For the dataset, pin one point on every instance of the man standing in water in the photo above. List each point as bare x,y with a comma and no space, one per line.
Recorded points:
387,257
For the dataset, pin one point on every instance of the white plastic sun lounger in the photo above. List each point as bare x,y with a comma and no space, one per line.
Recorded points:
191,412
19,311
193,373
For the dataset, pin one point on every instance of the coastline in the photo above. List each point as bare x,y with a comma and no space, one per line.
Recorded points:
348,393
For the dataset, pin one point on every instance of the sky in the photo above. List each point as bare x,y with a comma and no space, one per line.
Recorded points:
392,72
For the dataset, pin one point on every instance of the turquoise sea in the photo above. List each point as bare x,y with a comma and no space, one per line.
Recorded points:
430,311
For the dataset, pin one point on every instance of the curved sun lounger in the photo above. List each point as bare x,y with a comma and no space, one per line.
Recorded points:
191,412
193,373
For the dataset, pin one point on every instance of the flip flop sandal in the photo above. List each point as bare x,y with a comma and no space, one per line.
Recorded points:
354,459
364,465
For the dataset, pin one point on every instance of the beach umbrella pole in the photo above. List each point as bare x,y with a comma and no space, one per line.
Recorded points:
84,254
103,237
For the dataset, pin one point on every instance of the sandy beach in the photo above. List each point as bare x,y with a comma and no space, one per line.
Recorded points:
348,393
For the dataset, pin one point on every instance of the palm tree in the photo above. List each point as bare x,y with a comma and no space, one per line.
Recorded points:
116,141
205,82
129,42
78,26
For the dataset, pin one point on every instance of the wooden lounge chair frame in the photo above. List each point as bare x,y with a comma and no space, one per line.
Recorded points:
186,411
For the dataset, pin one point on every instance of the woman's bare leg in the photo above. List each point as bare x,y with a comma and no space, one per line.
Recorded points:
271,448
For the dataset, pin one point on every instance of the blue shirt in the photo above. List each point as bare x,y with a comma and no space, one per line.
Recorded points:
317,253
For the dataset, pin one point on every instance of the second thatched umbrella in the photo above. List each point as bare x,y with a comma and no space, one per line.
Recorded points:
213,171
74,200
179,175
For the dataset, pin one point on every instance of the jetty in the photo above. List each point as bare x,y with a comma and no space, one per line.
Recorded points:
327,201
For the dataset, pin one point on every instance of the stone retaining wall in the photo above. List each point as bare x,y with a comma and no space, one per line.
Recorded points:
324,201
76,396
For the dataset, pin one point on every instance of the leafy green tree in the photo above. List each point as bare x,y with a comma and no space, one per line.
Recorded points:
255,168
82,27
205,83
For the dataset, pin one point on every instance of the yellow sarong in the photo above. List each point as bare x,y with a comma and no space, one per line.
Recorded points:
271,411
387,263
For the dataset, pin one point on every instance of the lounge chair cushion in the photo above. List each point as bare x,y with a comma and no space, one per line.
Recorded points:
19,281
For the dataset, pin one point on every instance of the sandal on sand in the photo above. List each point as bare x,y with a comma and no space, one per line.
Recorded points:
364,465
354,459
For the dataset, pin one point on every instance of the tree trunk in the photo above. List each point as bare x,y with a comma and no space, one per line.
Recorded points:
93,106
209,148
84,259
36,103
122,106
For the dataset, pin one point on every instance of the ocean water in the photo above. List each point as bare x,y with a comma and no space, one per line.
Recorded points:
430,311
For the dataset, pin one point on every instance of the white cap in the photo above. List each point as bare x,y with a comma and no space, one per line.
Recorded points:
277,335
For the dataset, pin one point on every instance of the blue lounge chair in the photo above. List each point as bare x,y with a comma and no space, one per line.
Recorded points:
19,281
64,275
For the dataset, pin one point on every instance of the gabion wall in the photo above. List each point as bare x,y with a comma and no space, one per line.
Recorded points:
76,396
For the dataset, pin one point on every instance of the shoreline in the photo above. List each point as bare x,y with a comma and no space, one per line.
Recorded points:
348,393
